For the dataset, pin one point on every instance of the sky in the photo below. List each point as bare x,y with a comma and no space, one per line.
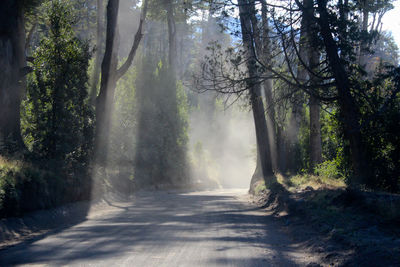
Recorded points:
391,21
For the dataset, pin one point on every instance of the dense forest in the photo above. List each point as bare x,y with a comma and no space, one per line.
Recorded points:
117,96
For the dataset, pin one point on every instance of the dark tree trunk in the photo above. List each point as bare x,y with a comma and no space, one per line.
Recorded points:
107,87
297,112
348,107
12,72
265,53
262,52
314,104
255,91
364,29
109,77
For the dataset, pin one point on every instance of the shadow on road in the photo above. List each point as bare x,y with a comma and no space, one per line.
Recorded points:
219,228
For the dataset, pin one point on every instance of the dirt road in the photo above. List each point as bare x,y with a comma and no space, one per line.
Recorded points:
210,228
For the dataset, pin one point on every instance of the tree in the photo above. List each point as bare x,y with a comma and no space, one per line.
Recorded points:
347,104
57,117
162,107
110,74
313,62
99,50
12,73
246,13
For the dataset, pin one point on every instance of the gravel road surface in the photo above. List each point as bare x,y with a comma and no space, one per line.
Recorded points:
208,228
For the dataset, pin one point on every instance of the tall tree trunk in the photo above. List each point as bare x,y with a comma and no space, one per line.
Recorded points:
315,123
12,72
172,53
364,30
207,100
109,77
107,87
271,124
314,104
348,107
173,148
297,112
264,52
99,51
255,91
315,133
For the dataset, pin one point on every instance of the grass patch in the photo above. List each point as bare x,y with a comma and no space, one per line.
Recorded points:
302,181
260,187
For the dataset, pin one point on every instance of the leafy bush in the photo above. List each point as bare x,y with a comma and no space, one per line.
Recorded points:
328,169
24,188
57,123
57,120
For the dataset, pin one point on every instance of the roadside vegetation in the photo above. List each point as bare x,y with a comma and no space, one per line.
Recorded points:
301,96
345,225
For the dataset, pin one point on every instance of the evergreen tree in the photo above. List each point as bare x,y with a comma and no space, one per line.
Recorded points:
162,128
57,117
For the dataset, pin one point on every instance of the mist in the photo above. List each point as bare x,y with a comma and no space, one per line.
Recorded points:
226,140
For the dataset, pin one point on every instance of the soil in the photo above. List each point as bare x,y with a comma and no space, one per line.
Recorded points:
37,224
348,228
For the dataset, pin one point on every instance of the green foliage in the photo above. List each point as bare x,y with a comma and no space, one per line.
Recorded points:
24,188
380,127
124,119
260,187
328,169
57,121
183,115
162,126
122,143
302,149
301,181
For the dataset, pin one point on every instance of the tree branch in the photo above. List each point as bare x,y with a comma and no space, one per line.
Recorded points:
138,37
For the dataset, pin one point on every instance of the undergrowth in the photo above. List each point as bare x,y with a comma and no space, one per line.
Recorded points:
301,181
24,188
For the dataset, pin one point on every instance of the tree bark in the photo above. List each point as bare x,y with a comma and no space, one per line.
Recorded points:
265,53
297,112
315,123
99,51
348,107
271,125
364,30
314,104
255,91
12,63
107,87
109,77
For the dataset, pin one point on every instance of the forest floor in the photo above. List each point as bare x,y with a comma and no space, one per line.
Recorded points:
208,228
347,228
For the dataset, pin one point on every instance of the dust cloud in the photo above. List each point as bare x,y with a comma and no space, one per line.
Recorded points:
222,146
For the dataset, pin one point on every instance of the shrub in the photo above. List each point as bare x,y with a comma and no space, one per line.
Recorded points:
24,188
328,169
